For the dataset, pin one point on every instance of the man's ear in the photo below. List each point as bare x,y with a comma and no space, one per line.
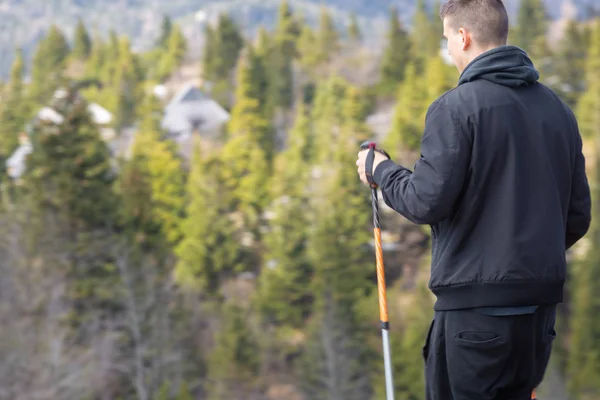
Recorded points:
465,38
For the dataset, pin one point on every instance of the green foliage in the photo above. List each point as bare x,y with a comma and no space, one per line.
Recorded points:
235,360
245,175
174,55
82,46
284,294
158,161
284,51
209,53
49,62
210,248
68,182
588,108
14,109
307,48
339,234
531,26
298,218
334,364
569,63
327,39
354,33
166,30
327,114
70,171
287,30
396,55
249,116
440,78
223,47
426,34
406,129
583,358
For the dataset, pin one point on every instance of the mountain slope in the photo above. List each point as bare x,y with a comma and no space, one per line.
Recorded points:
24,22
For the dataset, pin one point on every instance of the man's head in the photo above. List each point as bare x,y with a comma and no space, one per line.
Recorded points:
473,27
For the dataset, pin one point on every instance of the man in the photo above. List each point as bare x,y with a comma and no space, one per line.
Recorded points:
501,181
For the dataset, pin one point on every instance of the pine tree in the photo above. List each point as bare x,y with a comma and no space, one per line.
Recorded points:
174,55
284,52
166,28
407,128
210,249
335,364
250,114
327,39
307,48
355,129
335,361
234,362
328,115
246,176
158,159
249,151
82,46
425,36
283,294
226,43
113,53
354,33
209,54
341,211
14,112
125,92
583,360
69,181
287,30
588,108
70,168
569,63
136,217
95,63
439,78
583,357
396,55
531,25
48,65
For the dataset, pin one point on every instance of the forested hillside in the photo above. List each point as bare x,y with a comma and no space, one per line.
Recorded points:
27,21
246,271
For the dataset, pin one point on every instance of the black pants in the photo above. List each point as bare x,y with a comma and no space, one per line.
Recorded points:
471,356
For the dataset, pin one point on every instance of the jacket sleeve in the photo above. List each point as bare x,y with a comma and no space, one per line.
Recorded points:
428,194
579,216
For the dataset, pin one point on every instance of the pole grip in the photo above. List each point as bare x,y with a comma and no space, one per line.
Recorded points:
372,147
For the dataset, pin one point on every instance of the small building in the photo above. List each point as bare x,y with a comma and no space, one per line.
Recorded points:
192,111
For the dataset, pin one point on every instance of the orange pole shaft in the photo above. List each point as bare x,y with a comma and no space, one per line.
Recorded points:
383,311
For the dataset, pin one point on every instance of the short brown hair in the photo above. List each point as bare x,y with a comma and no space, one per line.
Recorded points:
486,19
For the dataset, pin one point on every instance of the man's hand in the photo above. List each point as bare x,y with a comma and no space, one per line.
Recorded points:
360,163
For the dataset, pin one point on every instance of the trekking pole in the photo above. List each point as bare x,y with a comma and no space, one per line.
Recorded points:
383,312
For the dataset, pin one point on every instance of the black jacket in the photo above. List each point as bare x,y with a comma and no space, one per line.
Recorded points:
501,180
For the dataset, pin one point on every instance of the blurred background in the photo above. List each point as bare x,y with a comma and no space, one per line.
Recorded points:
180,213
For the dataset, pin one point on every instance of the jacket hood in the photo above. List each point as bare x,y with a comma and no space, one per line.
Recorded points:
505,65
